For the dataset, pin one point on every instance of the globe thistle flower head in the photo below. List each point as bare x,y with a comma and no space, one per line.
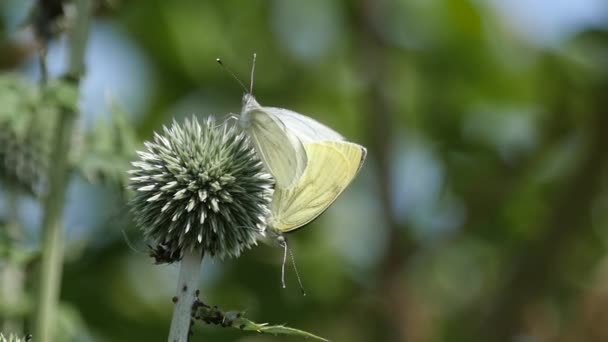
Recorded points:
200,186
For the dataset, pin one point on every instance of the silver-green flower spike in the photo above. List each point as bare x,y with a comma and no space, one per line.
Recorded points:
200,186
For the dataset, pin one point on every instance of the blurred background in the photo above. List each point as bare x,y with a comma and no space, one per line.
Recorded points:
481,213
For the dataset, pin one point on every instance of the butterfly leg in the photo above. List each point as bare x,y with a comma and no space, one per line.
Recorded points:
293,262
284,243
231,116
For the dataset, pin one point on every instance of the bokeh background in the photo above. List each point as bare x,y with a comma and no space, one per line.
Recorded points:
481,213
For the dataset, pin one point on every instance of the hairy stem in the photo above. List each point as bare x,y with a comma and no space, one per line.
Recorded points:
186,295
52,244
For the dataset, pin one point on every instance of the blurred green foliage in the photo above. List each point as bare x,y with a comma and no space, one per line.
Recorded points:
480,214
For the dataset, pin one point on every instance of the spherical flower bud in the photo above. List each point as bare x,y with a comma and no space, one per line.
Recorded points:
200,187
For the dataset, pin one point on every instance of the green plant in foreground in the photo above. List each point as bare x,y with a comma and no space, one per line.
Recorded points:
25,139
237,320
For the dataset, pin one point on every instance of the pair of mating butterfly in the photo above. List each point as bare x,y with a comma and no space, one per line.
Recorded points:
311,163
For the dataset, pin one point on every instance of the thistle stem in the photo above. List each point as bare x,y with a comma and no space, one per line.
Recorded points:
186,294
52,225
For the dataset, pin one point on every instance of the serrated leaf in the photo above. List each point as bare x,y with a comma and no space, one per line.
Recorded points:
237,320
107,149
274,329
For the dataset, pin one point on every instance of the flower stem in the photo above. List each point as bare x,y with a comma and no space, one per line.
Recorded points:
52,244
187,288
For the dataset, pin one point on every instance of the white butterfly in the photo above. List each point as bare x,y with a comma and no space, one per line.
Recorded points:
312,164
278,136
332,166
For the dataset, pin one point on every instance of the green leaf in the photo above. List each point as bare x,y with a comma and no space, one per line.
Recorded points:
105,151
236,319
27,119
62,94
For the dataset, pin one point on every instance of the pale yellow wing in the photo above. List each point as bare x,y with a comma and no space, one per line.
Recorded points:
280,149
305,128
332,165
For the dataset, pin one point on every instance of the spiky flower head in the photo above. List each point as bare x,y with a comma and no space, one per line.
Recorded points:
14,338
200,186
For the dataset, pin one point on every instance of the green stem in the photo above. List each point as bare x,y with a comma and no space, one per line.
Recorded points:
52,244
44,70
186,295
78,38
11,273
12,294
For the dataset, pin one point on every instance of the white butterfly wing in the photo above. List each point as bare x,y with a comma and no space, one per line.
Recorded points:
332,165
307,129
279,148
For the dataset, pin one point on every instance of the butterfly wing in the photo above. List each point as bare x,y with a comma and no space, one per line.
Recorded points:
332,165
307,129
278,147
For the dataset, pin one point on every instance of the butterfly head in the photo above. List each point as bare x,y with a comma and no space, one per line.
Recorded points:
273,236
249,104
281,240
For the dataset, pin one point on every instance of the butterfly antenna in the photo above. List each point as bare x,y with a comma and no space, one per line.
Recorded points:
252,73
283,266
293,262
219,61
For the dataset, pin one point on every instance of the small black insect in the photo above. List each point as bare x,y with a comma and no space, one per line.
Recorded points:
162,254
